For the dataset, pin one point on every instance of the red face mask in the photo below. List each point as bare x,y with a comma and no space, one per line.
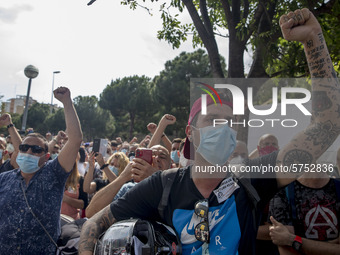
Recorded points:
266,150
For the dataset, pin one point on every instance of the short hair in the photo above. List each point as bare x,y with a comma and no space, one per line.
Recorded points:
82,154
114,143
39,136
177,140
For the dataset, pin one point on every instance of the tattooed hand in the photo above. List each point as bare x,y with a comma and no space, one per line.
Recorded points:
299,25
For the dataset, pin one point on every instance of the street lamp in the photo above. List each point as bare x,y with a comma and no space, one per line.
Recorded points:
31,72
53,90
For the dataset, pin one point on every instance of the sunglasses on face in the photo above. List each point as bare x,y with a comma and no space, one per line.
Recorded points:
202,232
34,148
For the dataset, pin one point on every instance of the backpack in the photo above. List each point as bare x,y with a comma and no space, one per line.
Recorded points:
168,178
69,238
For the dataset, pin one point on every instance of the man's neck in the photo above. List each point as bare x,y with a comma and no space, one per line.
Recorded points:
314,181
27,177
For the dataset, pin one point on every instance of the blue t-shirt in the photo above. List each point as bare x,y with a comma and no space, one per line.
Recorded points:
230,215
20,232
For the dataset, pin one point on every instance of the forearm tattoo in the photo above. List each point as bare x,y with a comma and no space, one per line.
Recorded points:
318,63
322,134
320,101
297,156
93,228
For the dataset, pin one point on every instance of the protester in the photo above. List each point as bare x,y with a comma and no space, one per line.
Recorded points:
264,246
266,144
10,163
175,152
309,208
72,204
293,244
197,198
123,183
92,185
30,196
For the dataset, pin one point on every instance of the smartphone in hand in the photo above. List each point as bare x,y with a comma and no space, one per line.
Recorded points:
145,154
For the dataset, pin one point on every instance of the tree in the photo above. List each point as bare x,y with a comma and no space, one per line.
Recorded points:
95,122
172,89
129,96
246,22
36,116
56,122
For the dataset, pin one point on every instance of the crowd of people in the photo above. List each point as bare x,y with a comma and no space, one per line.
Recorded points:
45,177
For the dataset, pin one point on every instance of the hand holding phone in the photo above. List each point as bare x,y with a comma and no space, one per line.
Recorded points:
145,154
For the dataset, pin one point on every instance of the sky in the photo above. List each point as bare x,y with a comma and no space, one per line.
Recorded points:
89,45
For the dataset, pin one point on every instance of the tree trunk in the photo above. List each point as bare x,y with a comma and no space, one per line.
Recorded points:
132,124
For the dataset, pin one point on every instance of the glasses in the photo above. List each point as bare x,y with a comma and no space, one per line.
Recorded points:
202,232
34,148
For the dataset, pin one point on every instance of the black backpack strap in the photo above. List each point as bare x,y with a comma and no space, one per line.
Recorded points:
167,177
337,188
290,194
253,196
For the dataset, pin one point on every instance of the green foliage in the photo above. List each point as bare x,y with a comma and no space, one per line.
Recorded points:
132,96
95,122
172,86
56,122
36,116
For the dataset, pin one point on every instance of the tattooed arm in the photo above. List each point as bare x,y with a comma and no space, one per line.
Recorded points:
92,228
311,143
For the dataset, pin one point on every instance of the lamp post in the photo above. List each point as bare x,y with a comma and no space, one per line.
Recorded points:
31,72
53,90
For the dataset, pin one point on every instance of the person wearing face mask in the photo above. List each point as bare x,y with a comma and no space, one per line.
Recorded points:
266,145
219,213
175,154
10,163
240,153
31,196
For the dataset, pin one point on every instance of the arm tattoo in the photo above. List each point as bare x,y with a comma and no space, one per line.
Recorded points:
338,110
93,228
310,43
297,156
320,101
323,134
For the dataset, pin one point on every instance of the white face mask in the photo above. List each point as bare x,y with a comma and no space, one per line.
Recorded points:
185,162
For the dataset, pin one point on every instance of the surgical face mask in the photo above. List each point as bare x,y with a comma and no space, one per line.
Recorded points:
1,152
114,169
266,150
123,150
216,144
183,161
28,163
174,156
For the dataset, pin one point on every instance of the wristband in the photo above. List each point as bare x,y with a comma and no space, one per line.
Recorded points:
10,125
103,166
297,243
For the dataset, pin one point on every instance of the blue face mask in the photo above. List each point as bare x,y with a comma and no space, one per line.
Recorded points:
28,163
1,154
217,144
114,169
123,150
174,156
